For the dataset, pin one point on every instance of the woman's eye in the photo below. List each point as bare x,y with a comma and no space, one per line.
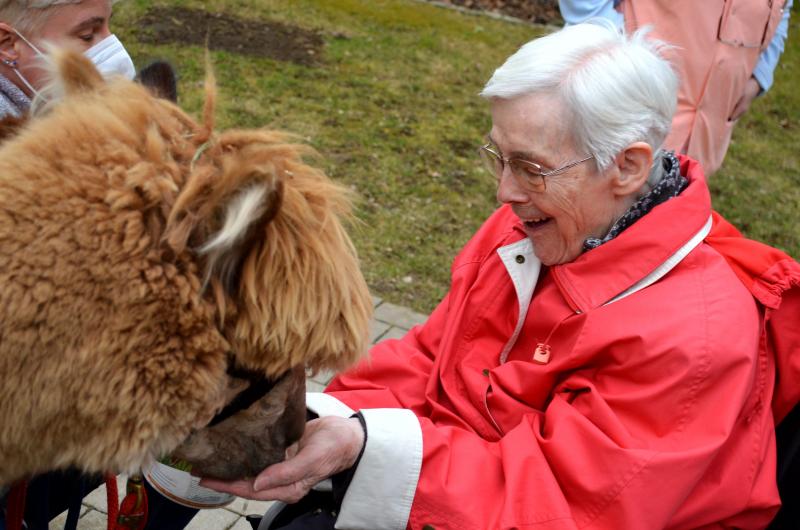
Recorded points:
86,37
531,170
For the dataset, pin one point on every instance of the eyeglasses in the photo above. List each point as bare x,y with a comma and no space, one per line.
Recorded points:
529,175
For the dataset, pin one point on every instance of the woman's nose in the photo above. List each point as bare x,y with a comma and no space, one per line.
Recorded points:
508,189
104,32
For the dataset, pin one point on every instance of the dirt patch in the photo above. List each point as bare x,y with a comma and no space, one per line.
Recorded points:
539,11
275,40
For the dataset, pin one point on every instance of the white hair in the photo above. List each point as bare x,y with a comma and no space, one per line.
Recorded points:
28,16
617,88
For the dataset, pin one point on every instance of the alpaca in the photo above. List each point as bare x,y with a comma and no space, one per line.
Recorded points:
151,271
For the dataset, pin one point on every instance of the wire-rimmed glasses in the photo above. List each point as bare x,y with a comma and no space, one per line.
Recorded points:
529,175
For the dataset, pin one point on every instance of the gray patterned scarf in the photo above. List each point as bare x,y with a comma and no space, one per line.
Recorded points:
13,101
669,186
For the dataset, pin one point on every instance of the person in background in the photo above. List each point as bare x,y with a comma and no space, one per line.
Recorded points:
605,355
26,26
725,54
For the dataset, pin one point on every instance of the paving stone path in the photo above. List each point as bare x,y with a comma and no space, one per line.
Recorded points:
389,322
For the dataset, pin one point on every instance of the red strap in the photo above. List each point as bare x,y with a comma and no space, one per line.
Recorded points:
16,505
112,501
132,515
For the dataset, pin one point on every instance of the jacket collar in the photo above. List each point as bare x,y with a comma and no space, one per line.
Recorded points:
523,267
600,275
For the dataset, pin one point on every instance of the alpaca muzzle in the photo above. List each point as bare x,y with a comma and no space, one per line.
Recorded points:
257,387
252,431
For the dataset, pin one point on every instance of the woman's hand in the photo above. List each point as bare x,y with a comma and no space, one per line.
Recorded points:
329,445
751,90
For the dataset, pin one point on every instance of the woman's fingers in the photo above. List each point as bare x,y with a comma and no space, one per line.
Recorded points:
240,488
289,494
285,473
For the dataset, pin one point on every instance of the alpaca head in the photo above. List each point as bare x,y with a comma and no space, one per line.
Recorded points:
284,278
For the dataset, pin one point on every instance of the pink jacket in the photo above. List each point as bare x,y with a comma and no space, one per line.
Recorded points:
717,45
649,411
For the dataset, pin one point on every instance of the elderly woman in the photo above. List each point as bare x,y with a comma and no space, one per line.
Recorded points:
597,363
25,27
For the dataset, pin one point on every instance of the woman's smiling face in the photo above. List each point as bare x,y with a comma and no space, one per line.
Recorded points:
576,204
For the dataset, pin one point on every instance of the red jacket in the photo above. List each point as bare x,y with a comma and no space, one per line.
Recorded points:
648,412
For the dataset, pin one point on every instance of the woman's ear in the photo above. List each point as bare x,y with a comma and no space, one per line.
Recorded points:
8,38
633,167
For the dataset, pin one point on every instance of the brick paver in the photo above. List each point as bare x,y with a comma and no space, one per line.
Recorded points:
390,322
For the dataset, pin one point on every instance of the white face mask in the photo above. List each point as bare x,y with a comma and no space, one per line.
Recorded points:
111,58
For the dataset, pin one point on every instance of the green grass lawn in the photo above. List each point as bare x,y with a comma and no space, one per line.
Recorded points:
391,104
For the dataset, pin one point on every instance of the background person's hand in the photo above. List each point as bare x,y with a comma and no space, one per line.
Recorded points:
751,90
329,445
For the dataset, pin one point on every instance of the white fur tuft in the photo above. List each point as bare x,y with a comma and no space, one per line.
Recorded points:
248,206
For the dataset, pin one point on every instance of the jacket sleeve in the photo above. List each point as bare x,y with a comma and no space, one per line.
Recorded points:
388,388
396,372
768,60
577,11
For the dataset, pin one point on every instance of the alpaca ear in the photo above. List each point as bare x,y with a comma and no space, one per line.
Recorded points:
74,73
161,79
245,215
